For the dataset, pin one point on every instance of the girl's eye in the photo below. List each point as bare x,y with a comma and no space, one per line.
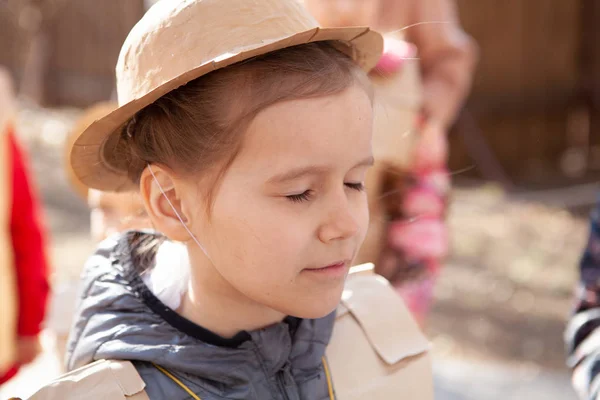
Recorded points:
305,196
299,198
356,186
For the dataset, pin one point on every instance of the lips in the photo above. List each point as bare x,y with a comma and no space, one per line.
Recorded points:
334,269
336,265
339,263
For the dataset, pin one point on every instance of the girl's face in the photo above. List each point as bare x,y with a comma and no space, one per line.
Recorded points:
339,13
290,213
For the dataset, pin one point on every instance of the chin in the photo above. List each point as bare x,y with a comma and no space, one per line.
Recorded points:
320,307
315,313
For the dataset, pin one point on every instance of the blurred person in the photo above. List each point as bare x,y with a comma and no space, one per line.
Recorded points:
583,330
408,187
446,54
23,265
249,149
110,213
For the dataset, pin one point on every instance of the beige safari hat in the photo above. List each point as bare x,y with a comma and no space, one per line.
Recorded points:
178,41
89,116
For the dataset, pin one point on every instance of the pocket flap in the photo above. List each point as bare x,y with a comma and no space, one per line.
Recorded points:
384,318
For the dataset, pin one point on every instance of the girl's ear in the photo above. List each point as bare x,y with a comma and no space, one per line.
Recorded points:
161,195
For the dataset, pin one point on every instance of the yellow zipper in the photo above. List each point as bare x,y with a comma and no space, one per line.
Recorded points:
195,397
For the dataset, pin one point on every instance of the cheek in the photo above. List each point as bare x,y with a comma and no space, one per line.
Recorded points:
261,236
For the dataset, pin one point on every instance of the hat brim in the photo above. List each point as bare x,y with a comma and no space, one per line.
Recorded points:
89,116
88,156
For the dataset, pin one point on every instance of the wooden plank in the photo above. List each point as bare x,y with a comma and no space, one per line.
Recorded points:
526,82
525,44
590,81
87,37
551,44
549,100
500,43
11,41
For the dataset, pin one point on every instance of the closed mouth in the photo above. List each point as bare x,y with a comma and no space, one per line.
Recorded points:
339,265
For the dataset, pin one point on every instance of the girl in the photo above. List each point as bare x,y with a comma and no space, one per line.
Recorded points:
409,184
247,130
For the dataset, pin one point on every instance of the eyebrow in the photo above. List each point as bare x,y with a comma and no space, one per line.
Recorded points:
312,170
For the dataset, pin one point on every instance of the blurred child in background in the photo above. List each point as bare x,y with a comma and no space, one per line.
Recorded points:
23,264
110,213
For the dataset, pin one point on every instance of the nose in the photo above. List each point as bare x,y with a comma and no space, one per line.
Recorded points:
340,222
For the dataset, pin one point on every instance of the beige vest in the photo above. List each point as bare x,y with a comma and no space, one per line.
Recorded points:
376,352
8,294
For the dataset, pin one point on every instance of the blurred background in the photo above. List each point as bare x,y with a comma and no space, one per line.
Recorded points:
525,154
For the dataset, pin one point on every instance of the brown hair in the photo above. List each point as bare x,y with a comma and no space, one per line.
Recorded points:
200,126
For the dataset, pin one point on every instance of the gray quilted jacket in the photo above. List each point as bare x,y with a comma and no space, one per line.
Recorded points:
119,318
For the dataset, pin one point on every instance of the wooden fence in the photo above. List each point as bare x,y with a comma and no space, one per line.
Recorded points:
532,94
535,99
77,48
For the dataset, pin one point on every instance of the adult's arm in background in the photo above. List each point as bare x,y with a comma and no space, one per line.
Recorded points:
447,54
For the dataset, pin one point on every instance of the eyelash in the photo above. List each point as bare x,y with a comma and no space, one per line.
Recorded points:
299,198
359,187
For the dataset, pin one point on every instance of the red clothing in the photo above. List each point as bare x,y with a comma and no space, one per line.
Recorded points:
29,248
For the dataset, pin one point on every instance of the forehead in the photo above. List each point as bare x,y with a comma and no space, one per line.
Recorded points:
334,129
